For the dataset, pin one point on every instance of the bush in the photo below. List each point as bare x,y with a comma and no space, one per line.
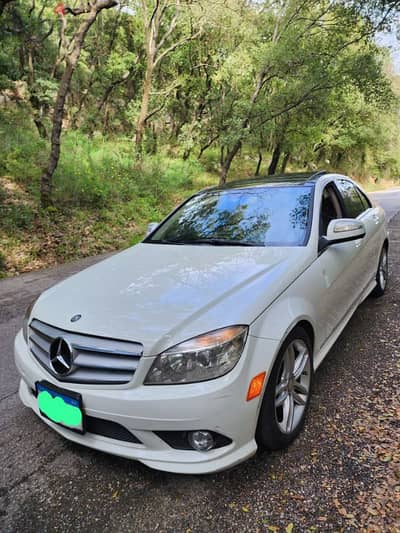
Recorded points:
97,172
3,194
2,263
22,152
211,159
16,217
92,172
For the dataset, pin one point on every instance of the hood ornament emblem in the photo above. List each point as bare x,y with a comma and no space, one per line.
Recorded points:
61,356
75,318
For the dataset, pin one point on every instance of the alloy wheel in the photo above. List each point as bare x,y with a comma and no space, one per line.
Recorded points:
383,269
293,386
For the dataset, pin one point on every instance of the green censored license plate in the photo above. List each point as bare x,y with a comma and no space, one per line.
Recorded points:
60,406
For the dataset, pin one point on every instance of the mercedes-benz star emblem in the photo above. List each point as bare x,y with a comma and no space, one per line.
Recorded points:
75,318
61,356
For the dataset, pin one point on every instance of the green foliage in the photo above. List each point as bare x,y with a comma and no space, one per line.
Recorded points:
22,152
305,80
312,59
2,264
3,194
98,172
44,91
16,217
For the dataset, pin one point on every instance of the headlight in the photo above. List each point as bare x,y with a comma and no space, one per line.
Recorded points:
25,322
202,358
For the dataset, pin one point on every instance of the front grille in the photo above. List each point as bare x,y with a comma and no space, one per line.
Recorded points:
94,359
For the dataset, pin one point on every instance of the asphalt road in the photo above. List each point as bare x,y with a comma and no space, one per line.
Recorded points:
332,477
389,200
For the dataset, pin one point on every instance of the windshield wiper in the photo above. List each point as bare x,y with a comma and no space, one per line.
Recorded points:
211,241
220,242
165,241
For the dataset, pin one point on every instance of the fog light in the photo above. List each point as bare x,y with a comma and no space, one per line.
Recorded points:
202,441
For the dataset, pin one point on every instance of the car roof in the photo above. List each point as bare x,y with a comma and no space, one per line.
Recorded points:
298,178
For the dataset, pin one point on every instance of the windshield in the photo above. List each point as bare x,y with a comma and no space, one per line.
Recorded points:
262,216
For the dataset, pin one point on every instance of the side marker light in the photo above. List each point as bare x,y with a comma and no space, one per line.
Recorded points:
256,386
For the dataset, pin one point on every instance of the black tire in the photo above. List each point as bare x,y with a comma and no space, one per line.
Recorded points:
382,273
269,433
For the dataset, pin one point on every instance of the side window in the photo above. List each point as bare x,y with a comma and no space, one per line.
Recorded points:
351,199
330,209
364,199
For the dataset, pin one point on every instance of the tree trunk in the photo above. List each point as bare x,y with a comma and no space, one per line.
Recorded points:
228,161
58,113
257,172
144,108
285,162
47,178
221,155
34,101
245,124
275,160
40,127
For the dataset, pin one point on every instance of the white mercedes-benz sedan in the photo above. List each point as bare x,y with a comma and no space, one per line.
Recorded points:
198,345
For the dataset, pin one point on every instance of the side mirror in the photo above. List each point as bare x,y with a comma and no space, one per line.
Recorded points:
151,227
342,230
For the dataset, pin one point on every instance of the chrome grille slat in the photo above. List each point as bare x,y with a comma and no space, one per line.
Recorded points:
42,333
98,350
96,360
40,343
40,355
89,361
90,377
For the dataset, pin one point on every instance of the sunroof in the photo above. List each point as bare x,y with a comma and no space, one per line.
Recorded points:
292,178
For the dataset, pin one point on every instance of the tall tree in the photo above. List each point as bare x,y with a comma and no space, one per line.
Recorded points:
161,35
71,50
304,53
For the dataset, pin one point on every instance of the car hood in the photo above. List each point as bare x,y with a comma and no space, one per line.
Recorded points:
160,295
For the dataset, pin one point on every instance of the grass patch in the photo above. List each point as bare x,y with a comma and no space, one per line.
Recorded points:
103,198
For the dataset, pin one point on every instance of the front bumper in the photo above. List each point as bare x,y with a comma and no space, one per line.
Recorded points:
218,405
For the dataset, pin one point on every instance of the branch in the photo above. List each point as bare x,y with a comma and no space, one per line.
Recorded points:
167,91
172,47
154,111
32,9
207,145
153,13
111,87
97,6
47,34
62,45
171,28
293,105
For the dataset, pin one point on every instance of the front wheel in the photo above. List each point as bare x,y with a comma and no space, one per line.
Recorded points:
287,394
382,273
